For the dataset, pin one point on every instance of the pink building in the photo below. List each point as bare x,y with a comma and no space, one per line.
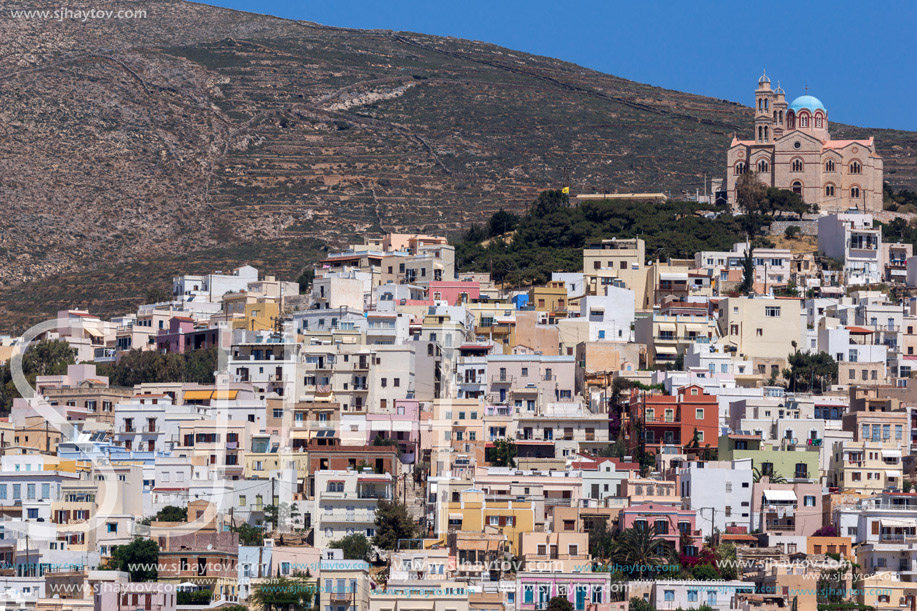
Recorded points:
524,380
401,422
787,509
673,524
455,292
181,336
150,596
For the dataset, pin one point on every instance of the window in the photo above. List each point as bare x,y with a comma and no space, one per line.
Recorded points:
797,165
668,595
797,187
855,167
740,168
829,190
829,166
854,192
763,166
808,501
772,311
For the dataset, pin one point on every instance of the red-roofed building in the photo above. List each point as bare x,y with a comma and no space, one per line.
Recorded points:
793,150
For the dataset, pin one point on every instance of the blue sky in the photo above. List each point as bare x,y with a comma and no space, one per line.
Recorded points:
857,57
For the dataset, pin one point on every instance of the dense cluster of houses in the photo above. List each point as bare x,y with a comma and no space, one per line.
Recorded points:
516,427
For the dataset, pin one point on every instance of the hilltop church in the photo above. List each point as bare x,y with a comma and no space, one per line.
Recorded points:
793,150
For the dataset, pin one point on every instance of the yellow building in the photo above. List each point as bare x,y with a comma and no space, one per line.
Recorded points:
476,510
885,592
865,467
250,311
550,298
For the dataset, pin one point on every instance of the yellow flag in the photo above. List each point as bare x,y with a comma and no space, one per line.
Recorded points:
565,190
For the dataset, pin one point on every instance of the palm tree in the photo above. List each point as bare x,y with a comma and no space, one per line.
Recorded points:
641,550
774,478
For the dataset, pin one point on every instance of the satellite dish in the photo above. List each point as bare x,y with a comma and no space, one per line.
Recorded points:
209,546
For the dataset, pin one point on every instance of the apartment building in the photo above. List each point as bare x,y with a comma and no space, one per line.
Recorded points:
345,503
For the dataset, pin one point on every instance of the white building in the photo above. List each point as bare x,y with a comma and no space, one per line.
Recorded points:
851,238
720,492
345,504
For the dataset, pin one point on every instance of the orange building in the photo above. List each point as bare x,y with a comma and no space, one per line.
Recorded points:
672,420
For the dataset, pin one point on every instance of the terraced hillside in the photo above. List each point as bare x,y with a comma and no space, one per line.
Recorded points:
131,145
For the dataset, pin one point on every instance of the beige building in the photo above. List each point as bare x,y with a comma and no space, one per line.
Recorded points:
762,330
793,150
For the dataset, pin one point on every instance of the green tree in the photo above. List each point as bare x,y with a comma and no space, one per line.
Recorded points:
810,371
138,558
157,294
287,593
393,523
783,200
171,513
727,561
502,222
355,546
792,232
748,273
140,366
642,552
638,604
705,572
248,534
47,357
504,453
194,597
602,543
305,280
560,603
751,196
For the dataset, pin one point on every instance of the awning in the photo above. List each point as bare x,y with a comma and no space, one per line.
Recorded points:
666,326
455,516
198,395
893,474
898,522
666,350
673,276
780,495
225,395
891,453
93,332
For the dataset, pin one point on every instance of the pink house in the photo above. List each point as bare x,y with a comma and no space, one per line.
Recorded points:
401,422
181,336
455,292
678,526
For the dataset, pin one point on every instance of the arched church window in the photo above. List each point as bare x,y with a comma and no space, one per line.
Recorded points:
804,120
829,190
855,167
818,121
740,168
763,166
797,187
797,165
854,192
829,165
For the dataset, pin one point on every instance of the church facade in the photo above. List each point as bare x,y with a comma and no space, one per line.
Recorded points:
793,150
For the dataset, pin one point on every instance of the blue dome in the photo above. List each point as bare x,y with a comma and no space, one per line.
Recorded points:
807,102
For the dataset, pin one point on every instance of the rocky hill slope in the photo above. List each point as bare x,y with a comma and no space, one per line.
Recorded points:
201,137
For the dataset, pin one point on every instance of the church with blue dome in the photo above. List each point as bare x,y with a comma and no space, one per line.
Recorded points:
792,149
